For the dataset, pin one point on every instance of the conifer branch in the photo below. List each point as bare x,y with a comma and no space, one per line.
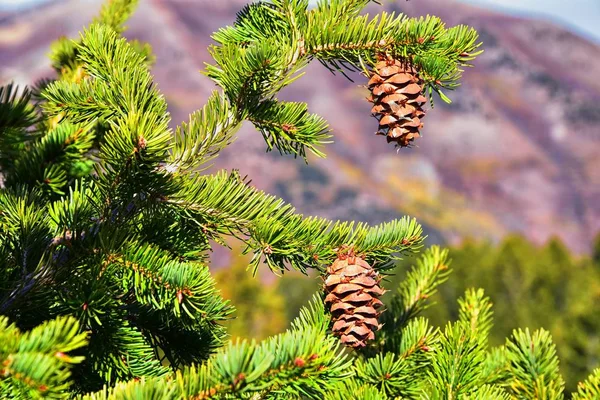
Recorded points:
533,365
475,313
412,297
456,365
36,364
209,131
115,13
590,388
279,237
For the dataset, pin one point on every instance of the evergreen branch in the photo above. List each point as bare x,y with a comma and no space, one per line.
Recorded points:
119,90
115,13
280,237
254,22
418,338
487,392
229,198
144,388
253,74
185,290
407,357
289,127
209,130
590,388
303,361
456,364
38,87
475,311
80,102
179,344
72,214
386,372
16,112
337,9
63,55
35,364
496,367
119,351
354,389
533,366
353,42
251,77
412,297
50,162
142,126
312,315
25,236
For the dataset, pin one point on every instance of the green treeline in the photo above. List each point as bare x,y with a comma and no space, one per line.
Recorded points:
530,286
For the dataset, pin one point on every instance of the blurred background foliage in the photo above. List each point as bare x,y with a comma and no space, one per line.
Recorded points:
260,306
530,286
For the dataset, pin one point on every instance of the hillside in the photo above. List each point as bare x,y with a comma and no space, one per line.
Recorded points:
518,150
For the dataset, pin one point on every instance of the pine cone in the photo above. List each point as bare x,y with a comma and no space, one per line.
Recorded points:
397,95
352,287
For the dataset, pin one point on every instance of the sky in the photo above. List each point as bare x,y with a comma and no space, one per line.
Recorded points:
581,15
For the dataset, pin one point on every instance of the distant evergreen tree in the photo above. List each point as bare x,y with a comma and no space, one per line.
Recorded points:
596,250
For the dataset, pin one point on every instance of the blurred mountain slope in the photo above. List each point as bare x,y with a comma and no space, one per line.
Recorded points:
517,150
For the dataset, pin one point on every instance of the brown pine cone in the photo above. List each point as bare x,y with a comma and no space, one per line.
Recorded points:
353,291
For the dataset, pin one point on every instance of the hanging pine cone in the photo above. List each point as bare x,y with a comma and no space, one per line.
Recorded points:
397,97
352,287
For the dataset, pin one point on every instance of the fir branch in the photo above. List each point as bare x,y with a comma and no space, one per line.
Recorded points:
496,367
352,388
115,13
254,22
16,112
456,365
278,236
144,388
35,364
209,130
475,312
118,351
289,127
386,372
487,392
412,297
590,388
337,9
303,361
185,290
25,235
63,55
354,42
16,115
533,366
120,93
53,160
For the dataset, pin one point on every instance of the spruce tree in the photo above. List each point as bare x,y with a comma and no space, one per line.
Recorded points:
108,216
